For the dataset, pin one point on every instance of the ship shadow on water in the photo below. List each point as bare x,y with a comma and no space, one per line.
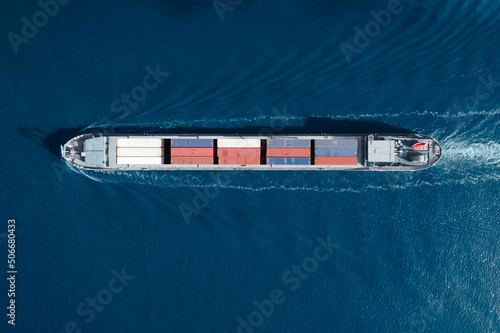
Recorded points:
50,140
312,125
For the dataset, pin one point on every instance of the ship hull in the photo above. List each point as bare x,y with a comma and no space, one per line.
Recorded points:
377,152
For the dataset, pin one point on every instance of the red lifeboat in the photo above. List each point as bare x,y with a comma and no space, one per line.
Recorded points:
420,146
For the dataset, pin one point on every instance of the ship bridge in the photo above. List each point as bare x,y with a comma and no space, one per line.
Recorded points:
381,151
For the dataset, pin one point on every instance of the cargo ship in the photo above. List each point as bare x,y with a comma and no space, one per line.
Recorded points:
251,152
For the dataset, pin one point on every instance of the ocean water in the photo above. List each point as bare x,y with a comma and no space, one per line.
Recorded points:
252,251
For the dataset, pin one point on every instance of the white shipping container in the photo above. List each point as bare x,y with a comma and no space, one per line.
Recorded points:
238,143
139,142
138,160
139,151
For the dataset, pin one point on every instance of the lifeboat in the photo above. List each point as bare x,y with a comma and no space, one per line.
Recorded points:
420,146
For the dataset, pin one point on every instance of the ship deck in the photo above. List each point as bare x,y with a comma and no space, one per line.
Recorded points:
184,152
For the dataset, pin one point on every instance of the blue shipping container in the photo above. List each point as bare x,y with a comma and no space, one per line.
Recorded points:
335,143
194,143
288,161
335,151
291,143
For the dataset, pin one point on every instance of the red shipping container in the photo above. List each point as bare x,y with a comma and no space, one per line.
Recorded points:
239,160
335,160
285,152
198,152
238,152
192,160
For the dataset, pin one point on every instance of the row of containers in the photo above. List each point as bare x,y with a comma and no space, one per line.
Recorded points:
139,151
229,151
288,152
336,152
238,151
277,151
298,152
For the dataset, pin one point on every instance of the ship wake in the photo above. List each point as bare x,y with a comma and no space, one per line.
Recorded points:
476,153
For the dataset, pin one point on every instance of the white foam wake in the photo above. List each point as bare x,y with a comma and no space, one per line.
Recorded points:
291,118
479,153
236,121
418,113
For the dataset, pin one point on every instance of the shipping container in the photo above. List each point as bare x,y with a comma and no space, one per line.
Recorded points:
198,152
293,152
238,152
139,151
335,152
281,143
239,160
288,161
238,143
346,143
196,143
139,160
138,143
192,160
336,160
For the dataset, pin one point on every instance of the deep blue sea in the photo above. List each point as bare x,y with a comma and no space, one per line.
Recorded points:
251,251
